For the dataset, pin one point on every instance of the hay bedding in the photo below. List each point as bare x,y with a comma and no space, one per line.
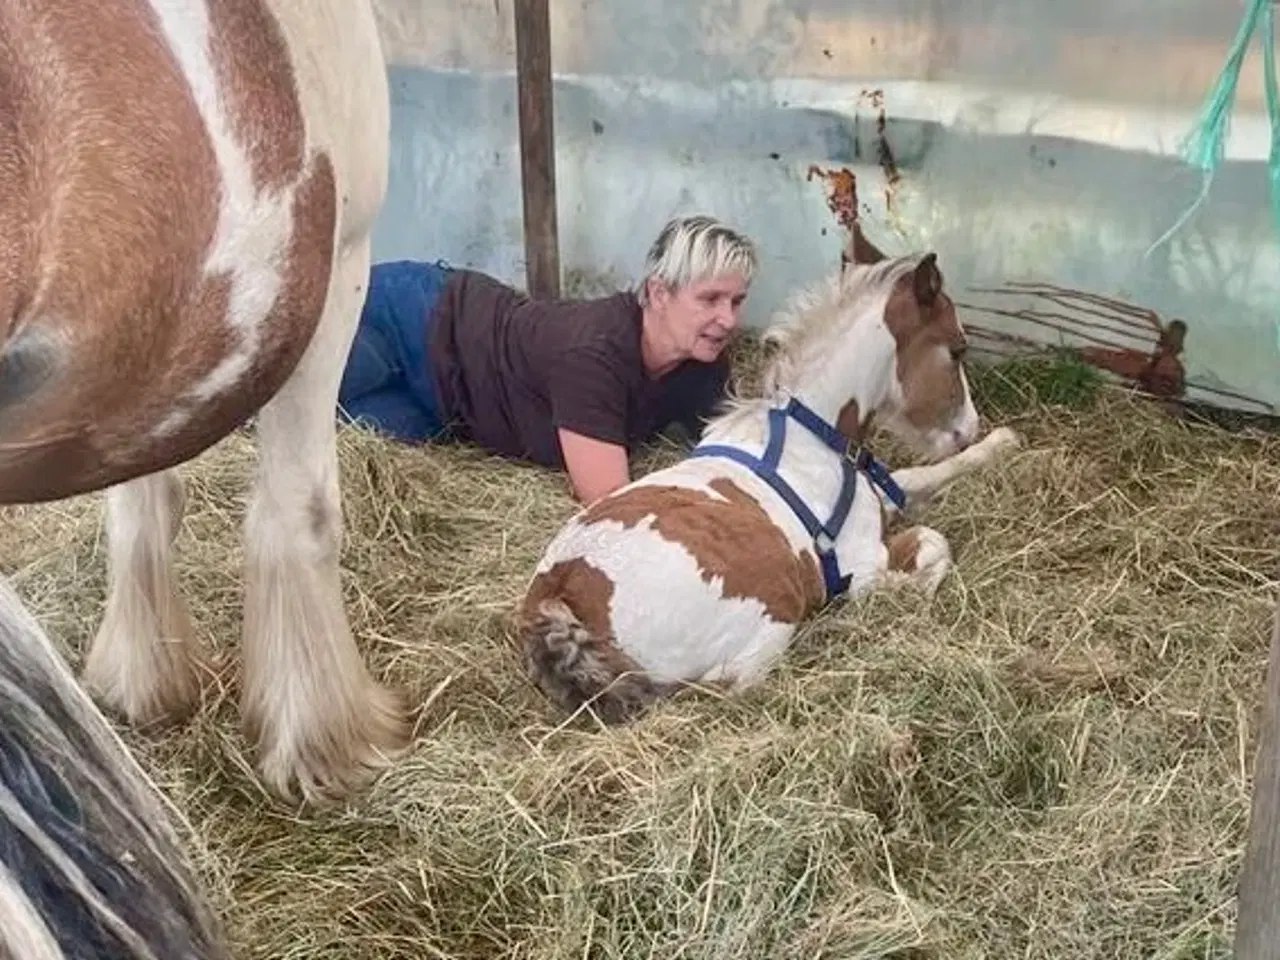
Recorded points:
1050,761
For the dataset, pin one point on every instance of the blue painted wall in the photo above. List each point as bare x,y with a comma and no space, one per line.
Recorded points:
663,108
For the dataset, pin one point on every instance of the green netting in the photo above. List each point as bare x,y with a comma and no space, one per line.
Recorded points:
1204,145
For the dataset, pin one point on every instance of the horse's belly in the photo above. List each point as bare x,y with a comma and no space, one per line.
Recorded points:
696,635
186,240
158,377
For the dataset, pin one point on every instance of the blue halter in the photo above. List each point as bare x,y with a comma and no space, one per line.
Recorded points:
766,468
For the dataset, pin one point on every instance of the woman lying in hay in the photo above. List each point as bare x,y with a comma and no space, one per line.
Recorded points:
568,384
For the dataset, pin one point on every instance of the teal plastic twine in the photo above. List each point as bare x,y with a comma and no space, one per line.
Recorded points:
1205,145
1273,106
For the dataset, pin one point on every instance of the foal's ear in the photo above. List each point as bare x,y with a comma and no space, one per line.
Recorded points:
858,249
927,281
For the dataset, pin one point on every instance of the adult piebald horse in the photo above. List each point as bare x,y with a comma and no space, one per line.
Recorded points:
188,192
187,189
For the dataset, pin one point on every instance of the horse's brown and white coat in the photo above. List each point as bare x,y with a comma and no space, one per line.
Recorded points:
700,572
190,187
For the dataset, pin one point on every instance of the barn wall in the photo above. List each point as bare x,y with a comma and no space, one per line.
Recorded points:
1032,140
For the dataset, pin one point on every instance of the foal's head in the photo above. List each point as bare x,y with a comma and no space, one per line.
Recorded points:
886,345
928,403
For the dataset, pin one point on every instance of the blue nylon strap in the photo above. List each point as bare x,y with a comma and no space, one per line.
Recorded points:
824,431
881,477
811,523
836,584
848,487
777,436
833,438
766,468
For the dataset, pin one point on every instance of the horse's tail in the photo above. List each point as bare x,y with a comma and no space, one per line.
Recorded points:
89,862
576,668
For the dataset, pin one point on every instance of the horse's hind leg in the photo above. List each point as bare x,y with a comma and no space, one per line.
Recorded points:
144,661
921,483
317,717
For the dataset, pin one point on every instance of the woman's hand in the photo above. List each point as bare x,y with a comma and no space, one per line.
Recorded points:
595,467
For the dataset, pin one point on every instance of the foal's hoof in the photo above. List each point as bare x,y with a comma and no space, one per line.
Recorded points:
1003,440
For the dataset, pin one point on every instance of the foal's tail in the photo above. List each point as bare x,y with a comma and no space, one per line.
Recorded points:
89,864
574,667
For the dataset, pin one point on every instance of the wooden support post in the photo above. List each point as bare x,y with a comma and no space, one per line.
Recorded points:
1258,919
537,148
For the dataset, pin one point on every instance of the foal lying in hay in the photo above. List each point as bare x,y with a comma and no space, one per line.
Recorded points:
88,865
700,572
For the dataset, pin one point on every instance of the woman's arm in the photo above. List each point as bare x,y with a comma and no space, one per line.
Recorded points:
589,411
595,467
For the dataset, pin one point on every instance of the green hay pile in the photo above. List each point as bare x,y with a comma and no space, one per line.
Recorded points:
1051,760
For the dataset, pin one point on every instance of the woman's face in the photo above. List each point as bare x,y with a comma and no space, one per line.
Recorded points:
701,316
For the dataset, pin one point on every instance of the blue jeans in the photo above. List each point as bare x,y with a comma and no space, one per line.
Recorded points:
387,384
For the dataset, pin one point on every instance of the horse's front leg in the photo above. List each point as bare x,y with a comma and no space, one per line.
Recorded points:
921,484
318,718
920,556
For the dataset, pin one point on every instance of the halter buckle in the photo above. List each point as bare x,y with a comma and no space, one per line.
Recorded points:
859,456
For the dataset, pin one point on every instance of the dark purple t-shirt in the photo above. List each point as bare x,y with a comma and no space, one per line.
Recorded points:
511,370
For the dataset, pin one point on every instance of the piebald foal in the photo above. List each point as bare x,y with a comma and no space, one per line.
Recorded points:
700,572
189,189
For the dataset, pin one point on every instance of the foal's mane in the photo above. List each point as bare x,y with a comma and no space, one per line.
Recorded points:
808,321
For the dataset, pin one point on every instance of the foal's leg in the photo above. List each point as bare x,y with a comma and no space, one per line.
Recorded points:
143,662
921,483
309,704
919,557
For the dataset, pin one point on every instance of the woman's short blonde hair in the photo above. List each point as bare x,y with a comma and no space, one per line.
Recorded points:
695,248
